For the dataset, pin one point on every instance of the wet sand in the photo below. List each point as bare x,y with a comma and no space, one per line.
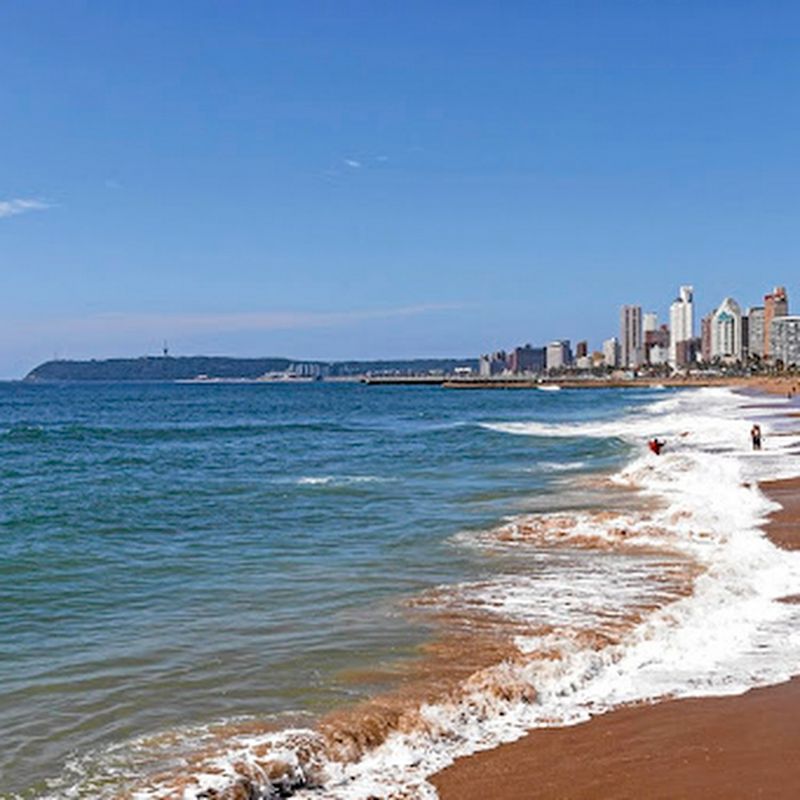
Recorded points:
746,746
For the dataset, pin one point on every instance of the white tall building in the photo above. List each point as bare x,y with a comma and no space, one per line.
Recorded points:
681,324
558,354
611,352
726,331
650,322
630,336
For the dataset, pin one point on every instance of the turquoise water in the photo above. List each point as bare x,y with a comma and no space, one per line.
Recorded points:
176,555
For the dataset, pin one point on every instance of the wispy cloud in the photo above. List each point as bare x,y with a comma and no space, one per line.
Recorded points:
352,163
172,324
20,205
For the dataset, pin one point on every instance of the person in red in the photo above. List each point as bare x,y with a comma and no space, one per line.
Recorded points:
656,446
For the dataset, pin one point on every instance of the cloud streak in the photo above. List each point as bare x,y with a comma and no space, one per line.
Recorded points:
172,324
19,205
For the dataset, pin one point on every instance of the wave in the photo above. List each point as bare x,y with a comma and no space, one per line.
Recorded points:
557,466
340,480
600,608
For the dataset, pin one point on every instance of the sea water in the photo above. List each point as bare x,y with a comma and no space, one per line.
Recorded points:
210,584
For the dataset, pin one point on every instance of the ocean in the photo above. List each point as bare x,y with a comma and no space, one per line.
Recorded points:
333,590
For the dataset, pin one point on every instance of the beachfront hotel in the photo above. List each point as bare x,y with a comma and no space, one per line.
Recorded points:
785,340
681,324
776,304
726,331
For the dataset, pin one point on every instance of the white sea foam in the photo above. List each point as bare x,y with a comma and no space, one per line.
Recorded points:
730,634
339,480
557,466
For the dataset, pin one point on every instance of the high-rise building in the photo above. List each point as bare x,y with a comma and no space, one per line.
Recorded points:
726,331
630,336
786,340
745,338
705,337
776,304
582,349
649,322
755,334
559,354
611,352
681,323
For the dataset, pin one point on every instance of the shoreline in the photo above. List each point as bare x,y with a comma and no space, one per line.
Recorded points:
740,746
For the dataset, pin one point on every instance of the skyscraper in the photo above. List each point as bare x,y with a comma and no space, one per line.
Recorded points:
630,336
726,331
776,304
756,336
705,337
611,352
681,323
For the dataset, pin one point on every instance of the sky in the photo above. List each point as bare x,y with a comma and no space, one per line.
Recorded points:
385,180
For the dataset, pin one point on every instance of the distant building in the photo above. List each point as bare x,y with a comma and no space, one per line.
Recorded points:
656,339
786,340
756,331
581,349
726,331
705,337
492,364
681,323
559,354
527,359
649,322
658,354
776,304
630,336
611,352
745,338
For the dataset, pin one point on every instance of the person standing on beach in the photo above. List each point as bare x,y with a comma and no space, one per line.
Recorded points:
755,436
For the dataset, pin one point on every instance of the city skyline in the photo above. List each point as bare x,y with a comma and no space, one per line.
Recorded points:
724,334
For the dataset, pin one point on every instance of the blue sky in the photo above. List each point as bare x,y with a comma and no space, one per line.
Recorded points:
374,179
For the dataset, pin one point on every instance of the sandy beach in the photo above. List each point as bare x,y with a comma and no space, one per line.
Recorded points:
744,746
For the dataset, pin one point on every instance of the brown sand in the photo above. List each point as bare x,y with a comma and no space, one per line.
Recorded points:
713,748
784,525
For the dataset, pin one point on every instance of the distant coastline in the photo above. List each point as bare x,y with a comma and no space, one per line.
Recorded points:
224,368
450,373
